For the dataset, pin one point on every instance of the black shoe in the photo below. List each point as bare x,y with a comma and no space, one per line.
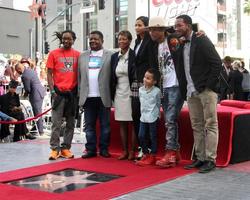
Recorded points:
16,139
105,154
89,154
207,167
30,136
33,128
195,164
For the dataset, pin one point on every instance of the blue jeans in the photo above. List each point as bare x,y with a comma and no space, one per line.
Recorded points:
93,110
172,104
152,127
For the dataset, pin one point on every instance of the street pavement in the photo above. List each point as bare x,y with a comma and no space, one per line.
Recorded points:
231,183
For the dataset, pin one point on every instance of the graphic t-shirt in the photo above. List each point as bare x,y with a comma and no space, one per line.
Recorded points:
64,64
167,66
95,63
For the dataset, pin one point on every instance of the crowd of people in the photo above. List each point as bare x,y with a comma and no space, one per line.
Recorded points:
163,69
235,80
21,72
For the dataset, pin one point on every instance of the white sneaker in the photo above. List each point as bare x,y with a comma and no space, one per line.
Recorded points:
140,154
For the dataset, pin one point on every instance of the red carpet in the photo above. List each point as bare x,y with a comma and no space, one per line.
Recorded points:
135,178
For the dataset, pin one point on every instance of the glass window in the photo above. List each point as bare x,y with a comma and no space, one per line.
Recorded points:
121,18
91,24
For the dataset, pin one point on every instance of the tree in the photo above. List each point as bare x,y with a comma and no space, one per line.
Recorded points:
247,7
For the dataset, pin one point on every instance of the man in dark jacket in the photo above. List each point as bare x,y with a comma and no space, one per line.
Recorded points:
198,73
225,88
35,90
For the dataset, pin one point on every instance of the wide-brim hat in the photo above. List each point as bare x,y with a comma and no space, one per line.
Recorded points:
157,22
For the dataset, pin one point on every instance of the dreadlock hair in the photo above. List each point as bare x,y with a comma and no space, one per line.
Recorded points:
60,34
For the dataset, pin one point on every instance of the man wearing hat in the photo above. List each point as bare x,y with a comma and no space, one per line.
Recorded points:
10,105
172,100
33,88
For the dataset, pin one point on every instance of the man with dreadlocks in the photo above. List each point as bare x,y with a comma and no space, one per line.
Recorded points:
62,80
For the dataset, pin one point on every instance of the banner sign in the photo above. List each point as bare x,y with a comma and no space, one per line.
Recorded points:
170,9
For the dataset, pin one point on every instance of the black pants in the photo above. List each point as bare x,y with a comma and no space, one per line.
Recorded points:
19,130
136,114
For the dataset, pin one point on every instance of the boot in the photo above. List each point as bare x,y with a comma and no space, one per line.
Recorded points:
168,160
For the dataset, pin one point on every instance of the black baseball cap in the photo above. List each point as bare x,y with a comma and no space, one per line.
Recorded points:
13,84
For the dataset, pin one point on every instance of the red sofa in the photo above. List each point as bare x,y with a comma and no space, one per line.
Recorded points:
236,103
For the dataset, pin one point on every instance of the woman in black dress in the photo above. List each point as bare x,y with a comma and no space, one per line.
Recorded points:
146,57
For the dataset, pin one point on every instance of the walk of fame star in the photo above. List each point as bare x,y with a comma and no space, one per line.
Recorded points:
63,181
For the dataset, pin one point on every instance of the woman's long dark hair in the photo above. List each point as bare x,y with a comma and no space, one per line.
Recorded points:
145,21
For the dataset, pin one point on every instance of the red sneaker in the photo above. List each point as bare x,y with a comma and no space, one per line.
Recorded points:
169,159
147,159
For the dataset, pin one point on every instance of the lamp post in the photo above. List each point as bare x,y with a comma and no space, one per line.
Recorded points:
223,35
30,43
86,6
148,8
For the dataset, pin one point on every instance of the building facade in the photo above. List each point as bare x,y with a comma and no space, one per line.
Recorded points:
16,30
222,20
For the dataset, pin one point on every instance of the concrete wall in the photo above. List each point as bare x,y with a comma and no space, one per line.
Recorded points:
105,24
51,13
6,4
14,31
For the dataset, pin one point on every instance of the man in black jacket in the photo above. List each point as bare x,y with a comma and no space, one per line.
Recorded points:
225,89
198,70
